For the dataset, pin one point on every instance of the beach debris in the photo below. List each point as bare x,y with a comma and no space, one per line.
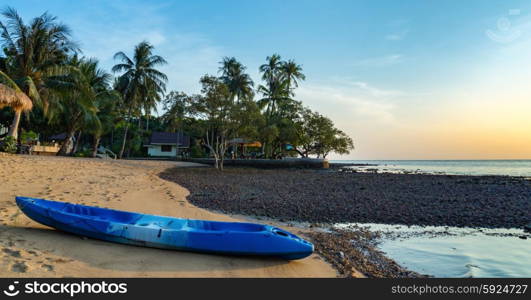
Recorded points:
14,253
19,267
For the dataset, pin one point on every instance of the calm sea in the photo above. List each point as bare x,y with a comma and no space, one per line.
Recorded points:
465,252
455,167
443,251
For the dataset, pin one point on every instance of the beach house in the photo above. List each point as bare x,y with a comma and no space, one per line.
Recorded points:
167,144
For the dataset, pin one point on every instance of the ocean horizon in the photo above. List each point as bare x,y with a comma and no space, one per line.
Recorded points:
503,167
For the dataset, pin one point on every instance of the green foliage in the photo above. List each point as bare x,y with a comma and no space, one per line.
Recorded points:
141,84
233,75
196,151
318,136
73,94
83,153
27,136
177,107
34,49
9,145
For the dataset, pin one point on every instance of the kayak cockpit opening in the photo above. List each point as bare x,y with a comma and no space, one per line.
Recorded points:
281,233
225,226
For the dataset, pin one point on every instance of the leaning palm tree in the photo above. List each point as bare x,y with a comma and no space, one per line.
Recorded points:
292,74
233,75
140,84
80,91
33,50
104,121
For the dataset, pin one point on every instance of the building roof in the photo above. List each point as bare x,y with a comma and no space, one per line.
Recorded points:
58,137
169,138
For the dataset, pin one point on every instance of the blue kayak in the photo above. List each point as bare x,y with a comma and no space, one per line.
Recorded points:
166,232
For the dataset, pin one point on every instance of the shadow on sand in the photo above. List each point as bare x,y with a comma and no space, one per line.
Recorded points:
118,257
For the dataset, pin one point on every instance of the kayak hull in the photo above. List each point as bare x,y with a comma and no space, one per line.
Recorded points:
231,238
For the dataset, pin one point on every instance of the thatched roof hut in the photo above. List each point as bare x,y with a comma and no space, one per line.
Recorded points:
14,99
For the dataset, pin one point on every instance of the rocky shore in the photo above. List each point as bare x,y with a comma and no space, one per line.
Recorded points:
337,197
318,196
354,250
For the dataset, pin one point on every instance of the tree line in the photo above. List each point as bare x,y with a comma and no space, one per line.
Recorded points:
72,94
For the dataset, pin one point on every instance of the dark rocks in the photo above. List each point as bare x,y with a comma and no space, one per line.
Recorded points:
354,250
19,267
14,253
340,197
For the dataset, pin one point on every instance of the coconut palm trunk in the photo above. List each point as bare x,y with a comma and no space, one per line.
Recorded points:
124,140
76,146
64,147
13,130
97,139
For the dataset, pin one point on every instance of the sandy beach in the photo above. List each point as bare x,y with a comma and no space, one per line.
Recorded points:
29,249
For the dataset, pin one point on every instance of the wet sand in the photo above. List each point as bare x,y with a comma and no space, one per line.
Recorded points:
28,249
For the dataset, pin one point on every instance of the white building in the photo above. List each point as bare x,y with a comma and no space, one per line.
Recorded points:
167,144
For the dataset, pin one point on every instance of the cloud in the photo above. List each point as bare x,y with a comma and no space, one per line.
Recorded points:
376,92
397,36
379,61
344,103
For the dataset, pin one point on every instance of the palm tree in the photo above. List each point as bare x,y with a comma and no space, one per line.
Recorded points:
80,91
271,69
141,84
233,75
33,51
275,89
105,118
291,73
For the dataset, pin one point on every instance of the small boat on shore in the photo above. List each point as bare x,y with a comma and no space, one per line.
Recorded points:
232,238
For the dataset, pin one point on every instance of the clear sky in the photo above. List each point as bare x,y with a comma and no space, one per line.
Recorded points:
405,79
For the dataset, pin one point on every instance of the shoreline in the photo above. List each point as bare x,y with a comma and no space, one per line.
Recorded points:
286,196
127,184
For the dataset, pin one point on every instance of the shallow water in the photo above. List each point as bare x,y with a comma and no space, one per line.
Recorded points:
454,167
456,252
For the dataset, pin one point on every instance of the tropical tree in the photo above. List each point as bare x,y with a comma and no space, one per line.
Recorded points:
141,83
80,92
177,107
318,136
215,108
280,79
105,118
274,89
233,75
32,52
292,74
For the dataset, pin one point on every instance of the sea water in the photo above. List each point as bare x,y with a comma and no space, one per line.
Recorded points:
450,251
443,251
452,167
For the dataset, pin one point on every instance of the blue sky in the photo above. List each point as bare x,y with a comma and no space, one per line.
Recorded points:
434,79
